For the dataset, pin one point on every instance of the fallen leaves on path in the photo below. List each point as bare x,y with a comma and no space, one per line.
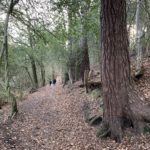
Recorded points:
52,119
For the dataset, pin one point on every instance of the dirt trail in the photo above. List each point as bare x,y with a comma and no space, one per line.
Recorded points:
52,119
49,119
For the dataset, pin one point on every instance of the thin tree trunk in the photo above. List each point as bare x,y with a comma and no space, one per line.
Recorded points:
71,74
42,73
138,39
4,52
71,60
29,75
33,66
85,63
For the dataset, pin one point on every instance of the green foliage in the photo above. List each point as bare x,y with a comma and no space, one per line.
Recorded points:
49,44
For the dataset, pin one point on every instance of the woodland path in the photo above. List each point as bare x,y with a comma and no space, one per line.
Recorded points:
52,119
49,119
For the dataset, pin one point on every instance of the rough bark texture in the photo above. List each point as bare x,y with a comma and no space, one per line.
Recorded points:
121,103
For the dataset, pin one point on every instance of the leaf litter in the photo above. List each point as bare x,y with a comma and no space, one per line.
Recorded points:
52,119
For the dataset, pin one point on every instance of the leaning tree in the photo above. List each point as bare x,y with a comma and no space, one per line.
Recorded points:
122,105
4,52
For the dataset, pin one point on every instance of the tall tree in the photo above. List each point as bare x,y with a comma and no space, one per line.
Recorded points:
85,63
121,103
33,63
4,51
138,38
71,61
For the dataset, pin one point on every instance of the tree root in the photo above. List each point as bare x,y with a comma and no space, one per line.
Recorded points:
95,120
103,132
139,74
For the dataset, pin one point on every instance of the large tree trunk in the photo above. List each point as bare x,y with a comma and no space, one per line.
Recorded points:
120,101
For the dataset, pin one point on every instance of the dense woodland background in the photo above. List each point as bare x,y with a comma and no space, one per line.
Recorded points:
49,37
43,40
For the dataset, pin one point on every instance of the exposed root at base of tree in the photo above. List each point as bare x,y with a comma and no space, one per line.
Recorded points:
103,132
135,115
139,74
95,120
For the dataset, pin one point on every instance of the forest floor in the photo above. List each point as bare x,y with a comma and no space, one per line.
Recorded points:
53,119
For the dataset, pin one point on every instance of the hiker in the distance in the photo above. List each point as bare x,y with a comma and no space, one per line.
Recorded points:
50,82
54,81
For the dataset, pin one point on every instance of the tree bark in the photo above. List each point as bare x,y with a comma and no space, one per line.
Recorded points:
121,102
85,63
